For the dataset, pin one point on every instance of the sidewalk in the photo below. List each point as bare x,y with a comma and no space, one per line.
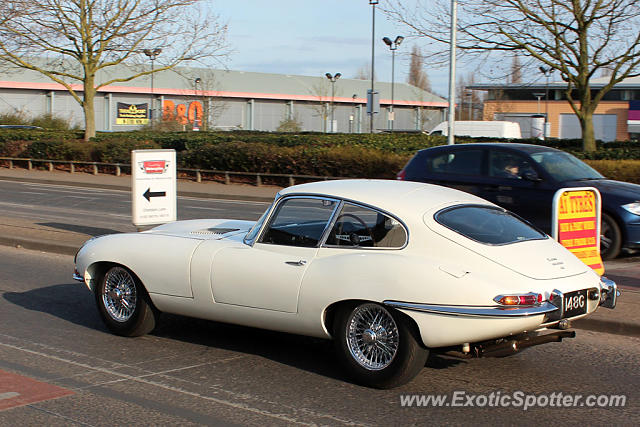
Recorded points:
26,233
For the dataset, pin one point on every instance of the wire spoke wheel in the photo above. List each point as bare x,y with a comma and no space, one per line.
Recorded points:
119,294
372,337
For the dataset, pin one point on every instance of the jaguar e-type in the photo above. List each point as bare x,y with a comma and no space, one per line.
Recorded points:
390,270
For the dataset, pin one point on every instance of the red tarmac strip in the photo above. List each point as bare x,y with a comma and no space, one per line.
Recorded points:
16,390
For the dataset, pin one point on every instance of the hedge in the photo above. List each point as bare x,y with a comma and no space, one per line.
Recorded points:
346,155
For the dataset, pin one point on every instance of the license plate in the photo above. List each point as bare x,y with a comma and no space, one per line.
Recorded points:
575,303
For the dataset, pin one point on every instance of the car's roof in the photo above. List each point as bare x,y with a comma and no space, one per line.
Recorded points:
527,148
403,198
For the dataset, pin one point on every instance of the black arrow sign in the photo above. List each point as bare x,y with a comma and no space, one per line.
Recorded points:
149,194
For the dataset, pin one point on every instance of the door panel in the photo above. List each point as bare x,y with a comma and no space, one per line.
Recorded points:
263,276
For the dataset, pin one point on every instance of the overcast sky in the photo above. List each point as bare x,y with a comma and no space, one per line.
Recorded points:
309,37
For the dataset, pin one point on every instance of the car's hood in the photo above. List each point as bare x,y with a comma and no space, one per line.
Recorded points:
203,228
610,187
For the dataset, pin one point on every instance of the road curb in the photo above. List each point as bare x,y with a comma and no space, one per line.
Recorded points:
608,326
597,325
39,245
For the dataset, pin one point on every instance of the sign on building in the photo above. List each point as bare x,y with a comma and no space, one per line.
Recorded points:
153,186
576,224
132,114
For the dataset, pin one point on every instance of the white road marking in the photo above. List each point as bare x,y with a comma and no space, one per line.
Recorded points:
203,208
236,405
9,395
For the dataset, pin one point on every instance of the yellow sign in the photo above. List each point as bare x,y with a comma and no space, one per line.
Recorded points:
577,224
132,114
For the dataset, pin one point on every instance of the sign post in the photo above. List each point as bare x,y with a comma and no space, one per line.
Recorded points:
576,224
153,186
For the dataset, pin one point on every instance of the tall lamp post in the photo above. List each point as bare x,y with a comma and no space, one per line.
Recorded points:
196,126
332,79
547,71
452,72
373,4
152,54
393,45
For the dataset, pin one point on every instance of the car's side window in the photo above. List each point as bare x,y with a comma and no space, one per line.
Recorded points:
358,226
299,222
464,162
505,164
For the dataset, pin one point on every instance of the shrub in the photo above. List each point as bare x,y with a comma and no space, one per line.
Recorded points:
13,118
621,170
49,121
291,125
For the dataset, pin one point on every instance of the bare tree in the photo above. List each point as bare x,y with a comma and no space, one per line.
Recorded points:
77,43
578,38
469,99
417,75
364,73
516,70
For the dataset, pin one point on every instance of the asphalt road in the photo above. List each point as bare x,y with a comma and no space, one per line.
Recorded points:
193,372
101,211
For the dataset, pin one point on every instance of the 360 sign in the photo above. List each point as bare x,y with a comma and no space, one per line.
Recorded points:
181,113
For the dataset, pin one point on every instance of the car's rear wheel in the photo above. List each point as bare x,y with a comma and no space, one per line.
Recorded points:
610,237
379,347
124,304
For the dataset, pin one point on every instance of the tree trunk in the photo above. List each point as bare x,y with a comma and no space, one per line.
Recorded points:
89,108
588,134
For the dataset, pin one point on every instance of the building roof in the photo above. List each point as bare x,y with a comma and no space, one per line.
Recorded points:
628,83
236,84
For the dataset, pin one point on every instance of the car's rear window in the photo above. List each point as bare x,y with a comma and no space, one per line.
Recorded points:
487,224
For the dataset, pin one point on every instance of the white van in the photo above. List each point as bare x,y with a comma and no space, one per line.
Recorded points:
475,129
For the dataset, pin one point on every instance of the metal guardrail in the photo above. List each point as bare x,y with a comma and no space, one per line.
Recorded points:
197,173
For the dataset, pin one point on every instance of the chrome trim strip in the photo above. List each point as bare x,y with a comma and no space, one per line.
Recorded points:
471,311
78,277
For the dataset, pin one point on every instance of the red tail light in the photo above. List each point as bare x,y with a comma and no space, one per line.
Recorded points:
525,299
401,175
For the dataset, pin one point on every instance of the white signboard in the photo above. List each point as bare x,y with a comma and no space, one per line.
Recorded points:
153,186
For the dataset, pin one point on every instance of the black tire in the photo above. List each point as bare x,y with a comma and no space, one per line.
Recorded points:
398,334
610,238
123,303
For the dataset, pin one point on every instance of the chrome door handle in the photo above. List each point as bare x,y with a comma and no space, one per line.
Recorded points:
297,263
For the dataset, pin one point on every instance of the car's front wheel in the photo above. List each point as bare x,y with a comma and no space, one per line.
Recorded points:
610,237
124,304
379,347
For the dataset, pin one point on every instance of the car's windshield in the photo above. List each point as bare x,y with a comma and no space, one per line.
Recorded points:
564,167
487,224
253,233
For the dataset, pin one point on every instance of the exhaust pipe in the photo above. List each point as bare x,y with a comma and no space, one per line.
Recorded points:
513,346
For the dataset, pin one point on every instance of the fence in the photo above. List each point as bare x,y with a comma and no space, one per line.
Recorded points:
197,174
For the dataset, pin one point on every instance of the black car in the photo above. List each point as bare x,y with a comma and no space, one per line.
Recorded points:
524,178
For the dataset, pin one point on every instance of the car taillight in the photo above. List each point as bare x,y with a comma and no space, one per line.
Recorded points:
401,175
525,299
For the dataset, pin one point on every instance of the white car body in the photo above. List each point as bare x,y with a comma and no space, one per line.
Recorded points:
444,281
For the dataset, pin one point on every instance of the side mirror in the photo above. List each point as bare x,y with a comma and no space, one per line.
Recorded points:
531,175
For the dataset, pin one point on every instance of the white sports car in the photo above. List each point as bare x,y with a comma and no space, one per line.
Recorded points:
389,270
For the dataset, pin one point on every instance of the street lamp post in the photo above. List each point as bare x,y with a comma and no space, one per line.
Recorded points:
373,4
393,45
452,72
196,126
152,54
332,79
547,71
